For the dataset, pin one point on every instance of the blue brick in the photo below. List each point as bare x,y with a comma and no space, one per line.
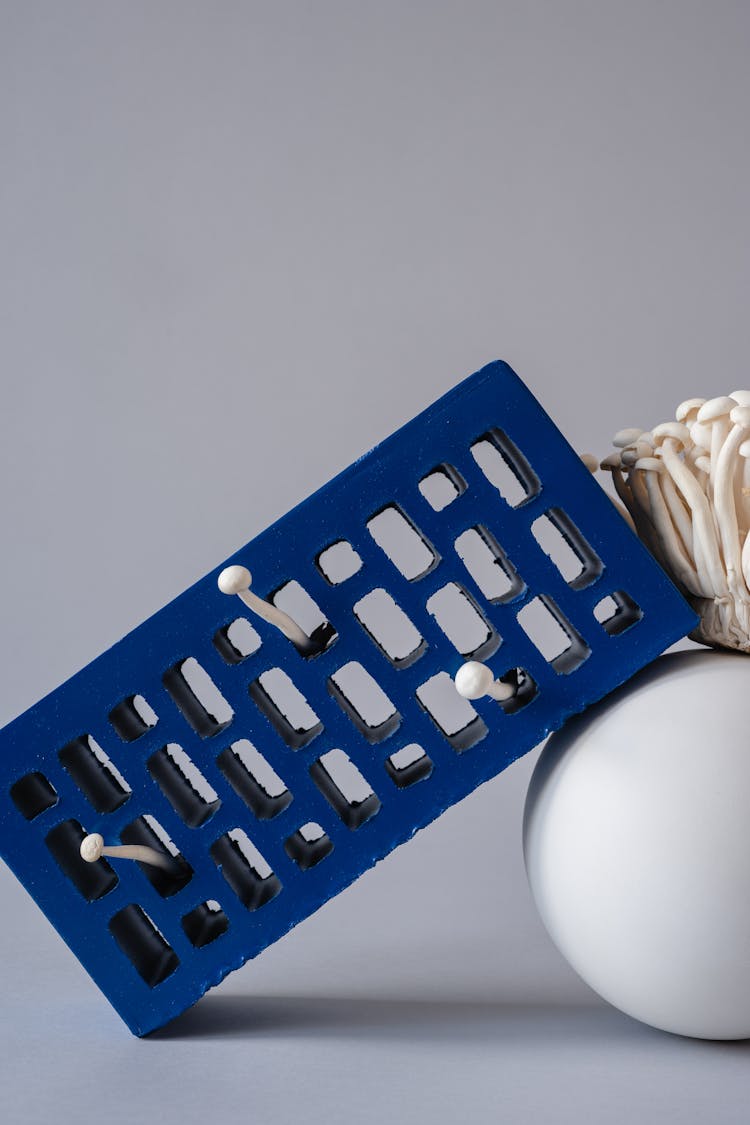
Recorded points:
148,939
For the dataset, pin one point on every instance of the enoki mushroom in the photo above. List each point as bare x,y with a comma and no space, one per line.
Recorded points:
685,487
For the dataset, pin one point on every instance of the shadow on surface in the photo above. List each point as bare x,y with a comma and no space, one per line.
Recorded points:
234,1016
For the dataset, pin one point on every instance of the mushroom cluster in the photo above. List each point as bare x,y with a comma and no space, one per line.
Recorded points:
685,487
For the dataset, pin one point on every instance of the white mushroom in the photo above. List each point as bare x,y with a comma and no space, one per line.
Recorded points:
237,580
677,560
93,848
624,505
474,680
687,411
715,415
626,437
742,481
744,452
686,485
724,499
674,436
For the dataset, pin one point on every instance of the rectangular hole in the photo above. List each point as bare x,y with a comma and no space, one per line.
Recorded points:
442,486
549,630
205,924
525,689
294,600
165,881
184,786
133,717
506,468
286,708
462,621
338,562
453,715
245,869
617,612
389,628
33,794
308,845
488,565
254,780
92,880
345,788
198,697
405,546
94,773
408,765
362,698
236,641
143,944
563,543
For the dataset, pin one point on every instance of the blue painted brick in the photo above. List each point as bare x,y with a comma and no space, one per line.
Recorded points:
153,945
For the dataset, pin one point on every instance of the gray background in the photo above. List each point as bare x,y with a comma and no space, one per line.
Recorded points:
240,244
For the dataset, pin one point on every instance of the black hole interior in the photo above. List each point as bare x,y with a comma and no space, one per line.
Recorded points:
188,803
33,795
252,888
165,881
205,924
92,880
306,852
197,697
132,718
147,949
94,777
254,781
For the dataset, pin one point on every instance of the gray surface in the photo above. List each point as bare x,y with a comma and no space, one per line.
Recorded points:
240,244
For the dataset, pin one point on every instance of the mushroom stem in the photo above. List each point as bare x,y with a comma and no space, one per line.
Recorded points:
678,511
705,546
677,559
724,501
236,580
623,504
687,487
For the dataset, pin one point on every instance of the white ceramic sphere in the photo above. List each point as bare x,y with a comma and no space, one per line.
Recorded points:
637,845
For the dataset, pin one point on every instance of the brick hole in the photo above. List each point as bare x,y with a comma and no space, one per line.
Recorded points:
286,708
345,788
406,546
197,697
254,780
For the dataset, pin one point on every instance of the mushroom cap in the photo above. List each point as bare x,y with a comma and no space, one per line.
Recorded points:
626,437
473,680
234,579
677,431
649,463
640,448
715,408
742,397
744,450
92,847
703,463
689,406
611,461
591,462
741,415
701,435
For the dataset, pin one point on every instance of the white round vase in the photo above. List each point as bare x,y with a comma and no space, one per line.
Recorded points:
637,845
